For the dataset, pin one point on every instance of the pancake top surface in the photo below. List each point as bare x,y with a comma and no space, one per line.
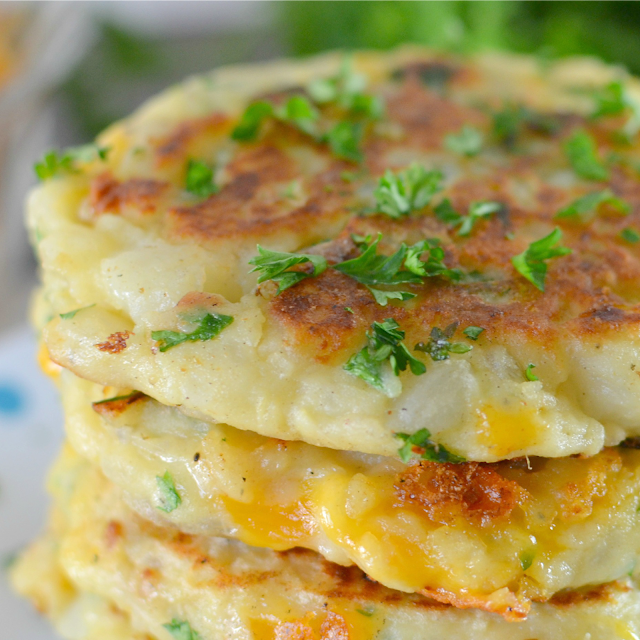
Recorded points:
124,234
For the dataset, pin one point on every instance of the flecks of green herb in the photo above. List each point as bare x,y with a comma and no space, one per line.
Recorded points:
126,396
473,333
529,375
72,314
509,123
372,270
531,263
439,346
526,559
434,264
199,179
348,309
384,349
614,99
368,612
181,630
344,141
582,153
210,326
55,163
170,499
630,235
586,207
420,444
477,211
468,142
399,194
251,120
275,265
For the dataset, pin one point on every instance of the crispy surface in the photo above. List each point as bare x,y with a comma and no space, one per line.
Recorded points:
490,536
278,369
150,576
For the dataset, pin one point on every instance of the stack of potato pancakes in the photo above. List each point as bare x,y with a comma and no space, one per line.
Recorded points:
349,349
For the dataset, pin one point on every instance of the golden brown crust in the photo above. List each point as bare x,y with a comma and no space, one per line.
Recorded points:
471,491
115,343
113,408
108,195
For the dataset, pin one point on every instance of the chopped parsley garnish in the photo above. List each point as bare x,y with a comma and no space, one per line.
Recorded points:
473,333
181,630
439,345
199,179
586,207
531,262
477,211
170,499
630,235
348,309
347,90
614,100
399,194
509,123
582,153
251,120
419,444
116,398
434,264
55,163
468,142
529,375
526,559
71,314
367,612
384,349
275,265
210,326
344,140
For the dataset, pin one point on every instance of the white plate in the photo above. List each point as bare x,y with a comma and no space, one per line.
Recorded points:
30,436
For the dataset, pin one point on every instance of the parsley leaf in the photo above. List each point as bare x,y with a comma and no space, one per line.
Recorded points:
274,265
531,262
347,90
477,210
384,343
468,142
181,630
251,121
71,314
630,235
55,163
367,612
582,153
399,194
526,558
473,333
586,207
508,124
614,99
126,396
170,499
529,375
199,179
344,141
210,326
434,264
419,444
439,346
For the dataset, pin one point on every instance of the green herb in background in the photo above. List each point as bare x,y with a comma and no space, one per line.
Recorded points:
170,499
630,235
467,142
582,153
399,194
209,327
586,207
439,345
181,630
419,444
199,179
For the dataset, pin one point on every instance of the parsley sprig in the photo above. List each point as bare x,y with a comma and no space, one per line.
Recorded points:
181,630
276,265
209,327
615,99
199,179
586,207
439,346
467,142
510,122
477,211
56,163
629,234
401,193
384,350
170,499
582,152
420,444
531,263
